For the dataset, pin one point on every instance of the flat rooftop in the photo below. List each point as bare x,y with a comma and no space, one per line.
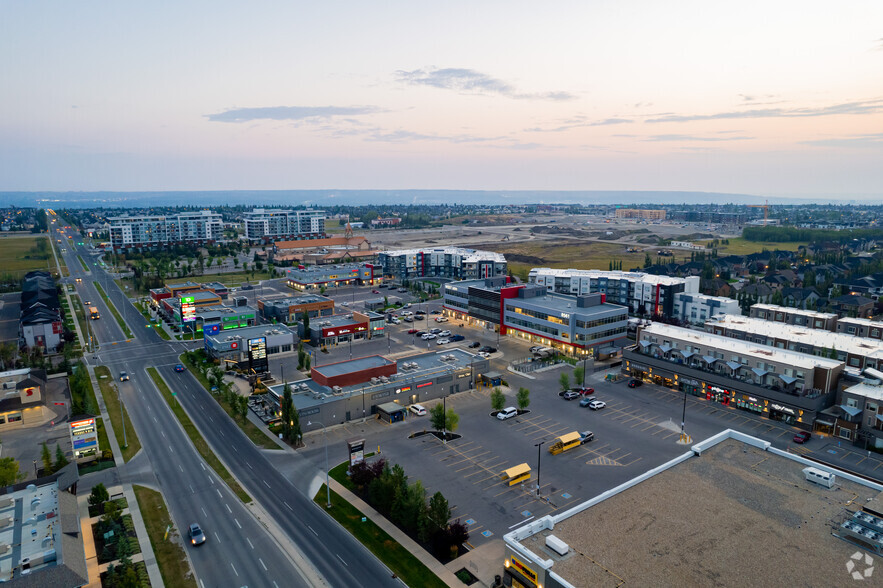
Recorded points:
734,516
334,320
353,365
797,311
467,255
33,528
252,332
602,274
295,300
862,321
739,347
863,346
566,303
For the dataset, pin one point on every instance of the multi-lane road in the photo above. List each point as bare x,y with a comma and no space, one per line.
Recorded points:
306,546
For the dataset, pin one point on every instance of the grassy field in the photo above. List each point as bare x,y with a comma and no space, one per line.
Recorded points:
83,263
249,428
111,403
407,567
196,437
592,255
170,556
740,246
18,255
231,279
114,311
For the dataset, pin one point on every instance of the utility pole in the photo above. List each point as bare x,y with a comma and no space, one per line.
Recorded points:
539,458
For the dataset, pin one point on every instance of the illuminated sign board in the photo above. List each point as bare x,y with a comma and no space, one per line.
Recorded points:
84,438
523,569
781,408
257,354
188,309
424,384
357,451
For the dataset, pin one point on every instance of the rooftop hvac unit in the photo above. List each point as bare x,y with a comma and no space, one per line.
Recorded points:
557,545
384,379
337,389
375,380
821,477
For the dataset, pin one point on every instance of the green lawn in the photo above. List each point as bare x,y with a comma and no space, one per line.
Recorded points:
19,255
111,403
251,431
83,263
80,313
228,279
739,246
198,441
407,567
170,556
114,311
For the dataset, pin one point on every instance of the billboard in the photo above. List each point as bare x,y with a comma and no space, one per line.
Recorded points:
188,309
257,354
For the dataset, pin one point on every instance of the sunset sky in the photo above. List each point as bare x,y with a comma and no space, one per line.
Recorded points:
779,98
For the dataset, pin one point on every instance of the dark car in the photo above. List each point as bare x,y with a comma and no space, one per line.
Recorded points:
585,437
635,383
124,377
802,437
419,333
570,395
179,368
436,311
457,337
197,537
474,344
488,349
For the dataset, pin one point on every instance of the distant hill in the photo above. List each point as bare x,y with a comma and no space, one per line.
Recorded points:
367,197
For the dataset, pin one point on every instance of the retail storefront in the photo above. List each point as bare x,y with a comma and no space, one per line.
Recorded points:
785,414
749,403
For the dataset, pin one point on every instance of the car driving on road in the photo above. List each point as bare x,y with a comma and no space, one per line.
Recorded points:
124,376
197,537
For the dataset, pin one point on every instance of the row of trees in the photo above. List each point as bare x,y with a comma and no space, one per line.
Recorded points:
387,490
50,467
522,399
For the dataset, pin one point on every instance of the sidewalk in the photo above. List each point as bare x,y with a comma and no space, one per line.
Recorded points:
446,575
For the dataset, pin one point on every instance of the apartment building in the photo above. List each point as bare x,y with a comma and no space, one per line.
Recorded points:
859,416
267,225
860,327
454,263
695,308
810,319
151,232
639,213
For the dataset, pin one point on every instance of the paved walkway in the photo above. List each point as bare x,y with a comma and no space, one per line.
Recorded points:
446,575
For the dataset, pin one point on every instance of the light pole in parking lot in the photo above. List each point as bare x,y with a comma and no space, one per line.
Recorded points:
327,485
539,458
684,417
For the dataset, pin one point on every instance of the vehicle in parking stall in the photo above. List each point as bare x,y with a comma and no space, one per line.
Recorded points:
635,383
597,404
488,349
587,401
396,321
413,331
179,368
484,354
474,344
584,390
408,319
402,290
417,409
507,413
445,333
585,437
428,336
197,537
535,348
441,319
570,395
457,337
407,312
435,331
124,376
442,341
435,311
564,442
802,437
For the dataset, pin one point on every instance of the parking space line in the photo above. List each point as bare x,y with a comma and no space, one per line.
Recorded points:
671,435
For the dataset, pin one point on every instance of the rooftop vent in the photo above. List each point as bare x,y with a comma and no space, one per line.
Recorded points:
557,545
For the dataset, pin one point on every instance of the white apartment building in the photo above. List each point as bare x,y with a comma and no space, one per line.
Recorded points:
151,231
274,224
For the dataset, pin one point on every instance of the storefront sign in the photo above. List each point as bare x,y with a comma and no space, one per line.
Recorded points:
781,408
357,451
523,569
188,309
718,389
424,384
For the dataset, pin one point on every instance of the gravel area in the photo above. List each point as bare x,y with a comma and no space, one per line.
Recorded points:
736,516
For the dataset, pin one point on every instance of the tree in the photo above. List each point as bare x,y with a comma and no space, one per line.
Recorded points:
564,381
497,399
60,458
46,457
307,363
523,398
579,374
98,495
438,514
437,417
287,407
306,320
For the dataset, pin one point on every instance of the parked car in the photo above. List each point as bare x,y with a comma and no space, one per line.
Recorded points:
802,437
535,348
635,383
418,410
124,376
585,437
179,368
570,395
435,331
428,336
419,333
507,413
375,291
197,537
436,311
474,344
445,333
408,319
584,390
412,331
587,401
403,290
457,337
442,341
488,349
484,354
441,319
396,321
597,405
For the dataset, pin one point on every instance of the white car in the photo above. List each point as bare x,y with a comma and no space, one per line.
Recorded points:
507,413
427,336
445,333
484,354
442,341
597,404
418,410
441,319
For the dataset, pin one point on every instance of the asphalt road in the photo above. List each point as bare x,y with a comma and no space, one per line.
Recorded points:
243,552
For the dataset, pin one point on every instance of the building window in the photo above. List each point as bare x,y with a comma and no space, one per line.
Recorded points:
14,417
852,402
844,433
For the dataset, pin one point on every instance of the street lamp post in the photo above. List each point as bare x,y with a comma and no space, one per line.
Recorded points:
539,458
684,416
327,484
445,418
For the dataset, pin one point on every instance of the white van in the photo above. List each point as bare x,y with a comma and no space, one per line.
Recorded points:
507,413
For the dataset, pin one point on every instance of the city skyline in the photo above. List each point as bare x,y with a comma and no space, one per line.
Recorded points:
779,100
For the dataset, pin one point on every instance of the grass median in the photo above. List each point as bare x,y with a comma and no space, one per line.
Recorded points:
83,263
411,570
255,434
196,437
114,311
117,414
170,556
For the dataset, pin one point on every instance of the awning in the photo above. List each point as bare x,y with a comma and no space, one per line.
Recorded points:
880,417
644,343
759,372
709,359
734,365
665,348
826,423
788,379
687,354
850,410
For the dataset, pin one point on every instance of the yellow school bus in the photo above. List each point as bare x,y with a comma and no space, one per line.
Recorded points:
514,475
564,442
93,313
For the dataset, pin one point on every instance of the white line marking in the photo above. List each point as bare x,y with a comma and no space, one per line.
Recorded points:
249,542
170,449
234,568
522,522
275,585
202,465
288,505
163,433
211,419
238,525
191,488
228,508
265,483
263,564
154,420
202,583
219,493
313,530
180,468
341,561
205,514
217,537
234,449
249,466
210,479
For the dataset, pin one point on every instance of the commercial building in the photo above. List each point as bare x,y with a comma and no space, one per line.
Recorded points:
777,383
695,308
290,310
390,221
211,319
704,518
858,353
40,323
577,325
219,290
859,416
332,276
453,263
151,232
652,214
41,536
22,402
344,249
249,347
809,319
343,328
367,386
643,294
268,225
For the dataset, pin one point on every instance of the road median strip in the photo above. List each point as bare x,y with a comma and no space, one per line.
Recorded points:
170,556
196,437
128,442
114,311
